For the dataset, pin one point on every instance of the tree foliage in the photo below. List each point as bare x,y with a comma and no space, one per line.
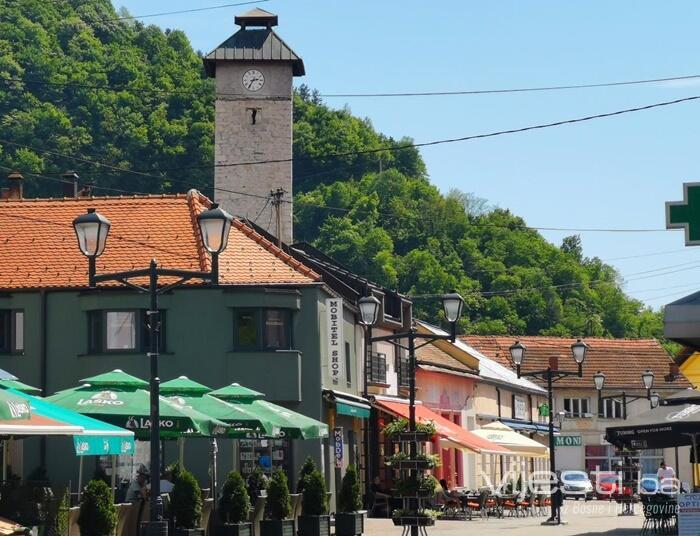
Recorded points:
387,221
98,515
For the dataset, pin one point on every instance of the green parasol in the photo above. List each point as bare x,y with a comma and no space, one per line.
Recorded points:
243,421
13,407
292,425
116,398
19,386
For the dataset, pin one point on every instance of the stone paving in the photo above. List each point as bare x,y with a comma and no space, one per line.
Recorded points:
583,519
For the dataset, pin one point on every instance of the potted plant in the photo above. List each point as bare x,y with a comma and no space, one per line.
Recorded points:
278,508
257,483
314,519
187,504
349,521
234,507
306,469
98,515
398,430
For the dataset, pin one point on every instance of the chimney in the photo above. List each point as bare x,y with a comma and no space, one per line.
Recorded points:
674,372
554,362
70,184
16,185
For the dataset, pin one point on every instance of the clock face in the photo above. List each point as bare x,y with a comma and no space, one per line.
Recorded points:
253,80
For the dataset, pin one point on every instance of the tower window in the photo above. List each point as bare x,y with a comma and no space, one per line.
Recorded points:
254,115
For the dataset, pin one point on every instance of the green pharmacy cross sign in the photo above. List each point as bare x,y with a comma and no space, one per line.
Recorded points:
686,214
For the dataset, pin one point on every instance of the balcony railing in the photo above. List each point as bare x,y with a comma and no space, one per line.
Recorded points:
377,368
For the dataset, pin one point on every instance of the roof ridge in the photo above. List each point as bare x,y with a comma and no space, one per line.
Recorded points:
194,196
30,200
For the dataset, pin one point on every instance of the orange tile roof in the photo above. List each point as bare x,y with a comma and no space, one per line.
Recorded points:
38,247
621,360
432,355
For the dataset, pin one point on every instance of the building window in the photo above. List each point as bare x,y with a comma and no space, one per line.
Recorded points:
121,331
402,370
576,407
262,329
612,409
348,365
11,331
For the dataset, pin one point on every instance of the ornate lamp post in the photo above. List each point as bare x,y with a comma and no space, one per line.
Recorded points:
452,305
92,230
623,398
551,375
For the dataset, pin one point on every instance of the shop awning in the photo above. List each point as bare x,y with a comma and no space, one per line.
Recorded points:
346,404
505,436
454,434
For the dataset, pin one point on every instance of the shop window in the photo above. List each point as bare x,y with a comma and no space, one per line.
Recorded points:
576,407
262,329
11,331
121,331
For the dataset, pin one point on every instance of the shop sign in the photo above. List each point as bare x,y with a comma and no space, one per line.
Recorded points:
338,447
543,410
567,441
334,321
519,407
688,514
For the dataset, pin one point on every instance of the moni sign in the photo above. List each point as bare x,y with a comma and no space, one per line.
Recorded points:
567,441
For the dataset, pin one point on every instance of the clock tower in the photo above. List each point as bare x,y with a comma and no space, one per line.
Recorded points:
253,144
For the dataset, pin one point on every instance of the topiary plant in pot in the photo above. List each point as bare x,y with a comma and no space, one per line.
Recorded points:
187,505
278,507
234,507
98,515
349,521
306,469
314,519
257,483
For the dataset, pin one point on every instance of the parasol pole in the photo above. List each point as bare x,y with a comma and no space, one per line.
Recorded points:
114,474
80,477
4,460
181,446
694,437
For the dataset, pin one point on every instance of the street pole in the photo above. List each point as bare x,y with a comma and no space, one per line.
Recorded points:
156,517
365,392
412,409
554,492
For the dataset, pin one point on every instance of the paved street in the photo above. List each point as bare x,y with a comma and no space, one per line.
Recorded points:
589,519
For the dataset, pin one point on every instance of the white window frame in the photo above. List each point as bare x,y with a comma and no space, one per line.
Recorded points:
615,406
112,335
575,404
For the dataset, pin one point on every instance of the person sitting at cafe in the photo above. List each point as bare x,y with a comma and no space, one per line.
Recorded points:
380,497
138,489
445,497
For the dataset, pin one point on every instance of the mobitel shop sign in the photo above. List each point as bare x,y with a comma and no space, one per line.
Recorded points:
567,441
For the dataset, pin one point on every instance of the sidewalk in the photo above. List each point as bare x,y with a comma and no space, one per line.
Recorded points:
590,519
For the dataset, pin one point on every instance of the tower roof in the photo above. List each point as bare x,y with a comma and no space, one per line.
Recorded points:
256,17
255,41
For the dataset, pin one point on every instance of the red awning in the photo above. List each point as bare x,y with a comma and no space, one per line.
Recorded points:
454,433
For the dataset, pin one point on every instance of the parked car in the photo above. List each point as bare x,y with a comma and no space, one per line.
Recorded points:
610,487
576,485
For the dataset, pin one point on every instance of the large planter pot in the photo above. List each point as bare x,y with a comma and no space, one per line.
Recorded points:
275,527
413,521
189,532
234,529
349,524
411,436
314,525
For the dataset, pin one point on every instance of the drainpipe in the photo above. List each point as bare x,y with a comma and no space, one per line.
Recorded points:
42,363
498,401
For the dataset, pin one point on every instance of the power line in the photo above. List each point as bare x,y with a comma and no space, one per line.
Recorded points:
513,90
192,10
654,254
109,87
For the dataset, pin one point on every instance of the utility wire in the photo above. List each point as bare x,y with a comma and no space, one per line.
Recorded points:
375,150
109,87
192,10
513,90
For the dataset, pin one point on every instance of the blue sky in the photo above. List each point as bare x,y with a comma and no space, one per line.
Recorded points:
609,173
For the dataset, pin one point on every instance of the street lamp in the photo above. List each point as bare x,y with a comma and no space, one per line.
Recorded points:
92,230
623,398
551,374
654,400
452,305
561,417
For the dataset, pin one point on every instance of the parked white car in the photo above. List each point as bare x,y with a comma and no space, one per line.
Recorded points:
576,485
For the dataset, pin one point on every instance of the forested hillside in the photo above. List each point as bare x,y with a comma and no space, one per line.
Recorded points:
75,81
